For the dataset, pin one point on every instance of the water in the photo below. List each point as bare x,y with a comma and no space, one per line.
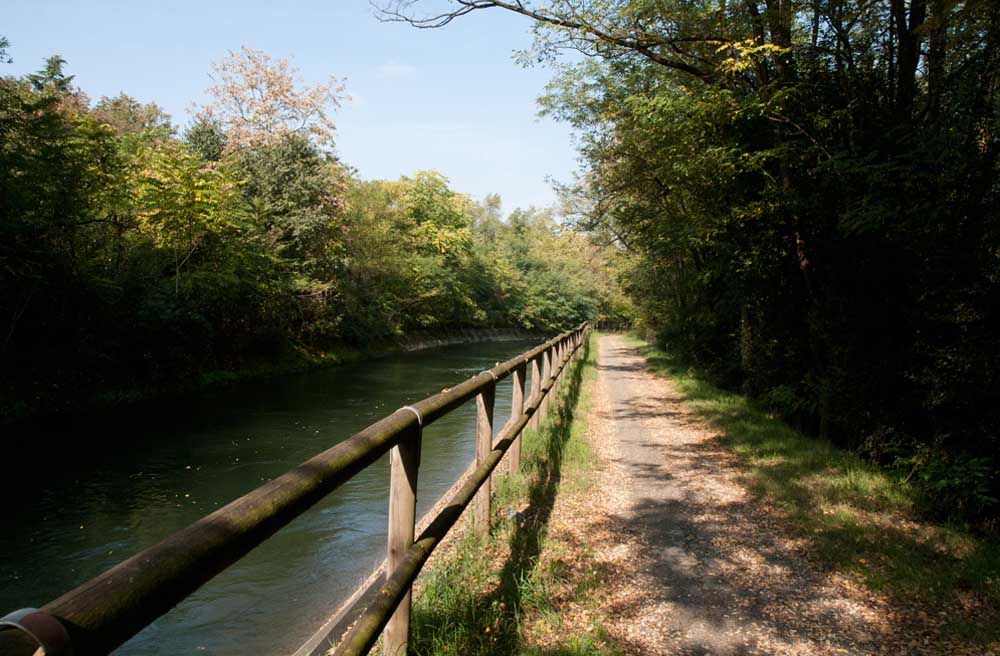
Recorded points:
90,492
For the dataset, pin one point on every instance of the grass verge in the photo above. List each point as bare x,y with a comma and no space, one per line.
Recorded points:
501,593
860,520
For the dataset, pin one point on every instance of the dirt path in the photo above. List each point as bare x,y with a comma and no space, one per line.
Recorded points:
698,567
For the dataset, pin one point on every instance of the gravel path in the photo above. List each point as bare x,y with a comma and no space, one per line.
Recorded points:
697,566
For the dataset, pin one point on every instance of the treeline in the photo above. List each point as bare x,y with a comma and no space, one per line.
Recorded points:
132,255
810,192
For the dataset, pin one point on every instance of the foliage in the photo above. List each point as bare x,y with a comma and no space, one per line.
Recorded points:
257,101
808,193
206,137
4,48
131,258
128,116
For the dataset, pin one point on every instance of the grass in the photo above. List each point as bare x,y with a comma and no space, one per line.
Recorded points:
860,520
500,594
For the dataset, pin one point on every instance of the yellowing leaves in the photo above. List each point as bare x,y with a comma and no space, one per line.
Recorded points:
747,53
178,199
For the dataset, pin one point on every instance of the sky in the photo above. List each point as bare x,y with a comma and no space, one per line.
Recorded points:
451,99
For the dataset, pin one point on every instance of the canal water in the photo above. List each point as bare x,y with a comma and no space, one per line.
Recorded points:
123,481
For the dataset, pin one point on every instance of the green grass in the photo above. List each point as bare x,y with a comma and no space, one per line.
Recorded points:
860,520
495,590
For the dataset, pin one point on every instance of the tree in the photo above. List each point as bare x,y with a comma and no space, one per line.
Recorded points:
206,138
51,77
808,192
259,101
182,203
657,32
128,116
293,193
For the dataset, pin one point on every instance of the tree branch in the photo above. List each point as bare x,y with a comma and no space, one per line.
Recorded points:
397,11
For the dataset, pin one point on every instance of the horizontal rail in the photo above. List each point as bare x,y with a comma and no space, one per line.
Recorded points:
365,632
103,613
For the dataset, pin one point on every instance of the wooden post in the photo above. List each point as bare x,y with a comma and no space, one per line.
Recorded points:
546,374
516,410
404,461
484,444
536,388
560,351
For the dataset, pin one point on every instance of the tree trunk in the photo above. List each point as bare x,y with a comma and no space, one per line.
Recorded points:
936,43
909,36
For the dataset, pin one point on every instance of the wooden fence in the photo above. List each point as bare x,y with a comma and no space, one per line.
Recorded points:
100,615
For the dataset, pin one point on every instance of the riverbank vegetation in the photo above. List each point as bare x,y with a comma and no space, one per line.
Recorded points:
809,193
136,255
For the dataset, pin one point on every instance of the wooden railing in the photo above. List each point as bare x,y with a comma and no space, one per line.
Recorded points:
103,613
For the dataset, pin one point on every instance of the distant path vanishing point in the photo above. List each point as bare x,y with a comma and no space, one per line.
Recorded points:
698,565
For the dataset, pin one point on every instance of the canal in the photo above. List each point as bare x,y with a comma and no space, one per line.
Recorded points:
89,492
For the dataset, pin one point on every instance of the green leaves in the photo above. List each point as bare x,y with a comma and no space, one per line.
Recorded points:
129,256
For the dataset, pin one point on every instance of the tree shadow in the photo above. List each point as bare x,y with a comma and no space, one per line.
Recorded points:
850,520
504,605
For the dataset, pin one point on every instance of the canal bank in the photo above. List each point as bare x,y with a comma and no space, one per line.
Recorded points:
173,463
57,403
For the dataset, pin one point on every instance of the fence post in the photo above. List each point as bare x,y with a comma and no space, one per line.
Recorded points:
484,444
516,410
404,462
546,374
555,371
536,388
560,355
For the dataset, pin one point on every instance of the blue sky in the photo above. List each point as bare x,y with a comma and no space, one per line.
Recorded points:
451,99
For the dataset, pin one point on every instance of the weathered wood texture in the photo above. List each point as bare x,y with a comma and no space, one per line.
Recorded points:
536,389
484,445
546,377
404,463
516,410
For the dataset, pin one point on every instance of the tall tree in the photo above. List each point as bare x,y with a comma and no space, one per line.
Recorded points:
128,116
809,191
259,100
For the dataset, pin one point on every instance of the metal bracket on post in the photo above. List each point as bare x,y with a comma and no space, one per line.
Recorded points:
48,633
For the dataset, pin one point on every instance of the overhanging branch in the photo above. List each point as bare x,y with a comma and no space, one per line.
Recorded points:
400,11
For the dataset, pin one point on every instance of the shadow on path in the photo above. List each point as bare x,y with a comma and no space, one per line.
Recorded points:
490,622
717,576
